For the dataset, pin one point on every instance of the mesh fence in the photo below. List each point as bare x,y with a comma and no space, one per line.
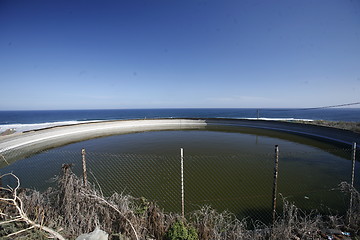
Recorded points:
239,183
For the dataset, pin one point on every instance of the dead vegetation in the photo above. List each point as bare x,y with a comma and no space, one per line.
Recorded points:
295,224
353,213
71,209
351,126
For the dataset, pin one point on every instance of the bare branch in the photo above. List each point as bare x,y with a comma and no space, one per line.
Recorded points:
23,230
2,156
9,221
18,204
117,210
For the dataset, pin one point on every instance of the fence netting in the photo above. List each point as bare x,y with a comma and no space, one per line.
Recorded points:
239,183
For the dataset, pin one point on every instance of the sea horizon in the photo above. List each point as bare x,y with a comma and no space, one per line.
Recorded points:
23,120
157,108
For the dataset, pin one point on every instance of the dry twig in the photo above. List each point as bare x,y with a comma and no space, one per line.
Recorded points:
2,156
117,210
18,204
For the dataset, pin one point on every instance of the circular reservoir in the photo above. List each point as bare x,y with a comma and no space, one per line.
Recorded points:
228,168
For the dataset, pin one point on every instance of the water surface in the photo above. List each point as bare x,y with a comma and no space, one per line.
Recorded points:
227,169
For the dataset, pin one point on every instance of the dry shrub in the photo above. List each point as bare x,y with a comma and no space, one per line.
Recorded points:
14,217
73,209
295,224
157,222
224,225
353,213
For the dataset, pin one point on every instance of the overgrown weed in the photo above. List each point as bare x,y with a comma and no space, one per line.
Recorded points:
353,213
72,209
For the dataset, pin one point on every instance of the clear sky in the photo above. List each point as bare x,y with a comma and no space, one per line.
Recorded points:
59,54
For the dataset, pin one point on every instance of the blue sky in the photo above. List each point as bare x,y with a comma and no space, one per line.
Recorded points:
178,54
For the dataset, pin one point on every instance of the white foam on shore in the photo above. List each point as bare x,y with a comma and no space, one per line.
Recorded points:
34,126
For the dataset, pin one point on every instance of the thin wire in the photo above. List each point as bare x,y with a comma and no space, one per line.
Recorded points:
332,106
314,108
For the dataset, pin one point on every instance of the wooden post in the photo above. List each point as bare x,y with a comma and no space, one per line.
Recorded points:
352,177
182,183
276,171
83,153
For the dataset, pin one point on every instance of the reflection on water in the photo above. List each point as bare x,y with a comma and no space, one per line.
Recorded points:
225,168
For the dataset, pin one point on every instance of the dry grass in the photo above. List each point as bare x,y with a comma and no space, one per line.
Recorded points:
351,126
72,209
353,213
295,224
214,225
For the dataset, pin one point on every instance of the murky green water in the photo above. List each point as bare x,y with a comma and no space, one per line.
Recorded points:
226,168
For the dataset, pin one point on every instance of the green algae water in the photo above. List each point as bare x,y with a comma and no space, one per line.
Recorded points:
226,168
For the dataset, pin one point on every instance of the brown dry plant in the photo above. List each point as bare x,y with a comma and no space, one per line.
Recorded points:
214,225
73,209
353,213
296,224
10,197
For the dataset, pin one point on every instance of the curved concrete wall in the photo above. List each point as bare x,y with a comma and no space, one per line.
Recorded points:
319,132
26,143
57,136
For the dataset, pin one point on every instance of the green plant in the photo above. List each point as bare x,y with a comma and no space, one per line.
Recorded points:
141,205
178,231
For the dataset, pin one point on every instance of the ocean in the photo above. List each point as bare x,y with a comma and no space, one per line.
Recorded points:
29,120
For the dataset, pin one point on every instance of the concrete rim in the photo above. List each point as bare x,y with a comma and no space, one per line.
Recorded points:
39,140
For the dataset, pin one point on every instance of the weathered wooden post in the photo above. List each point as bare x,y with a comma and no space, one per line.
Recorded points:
352,177
182,183
83,153
276,172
